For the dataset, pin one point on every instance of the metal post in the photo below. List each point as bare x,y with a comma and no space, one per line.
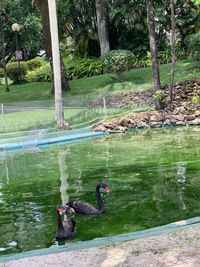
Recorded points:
2,117
17,49
104,106
18,56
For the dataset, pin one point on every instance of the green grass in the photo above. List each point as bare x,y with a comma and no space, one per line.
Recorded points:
82,91
30,119
26,92
136,79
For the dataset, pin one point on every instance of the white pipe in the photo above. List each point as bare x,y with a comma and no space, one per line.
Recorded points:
2,117
104,106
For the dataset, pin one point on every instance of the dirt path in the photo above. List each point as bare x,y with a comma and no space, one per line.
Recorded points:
177,249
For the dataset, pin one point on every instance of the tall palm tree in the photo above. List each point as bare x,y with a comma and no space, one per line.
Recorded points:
43,9
50,33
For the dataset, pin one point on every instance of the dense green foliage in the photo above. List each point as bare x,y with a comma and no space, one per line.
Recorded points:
78,34
117,62
23,13
193,45
35,63
127,25
17,72
77,68
41,74
77,20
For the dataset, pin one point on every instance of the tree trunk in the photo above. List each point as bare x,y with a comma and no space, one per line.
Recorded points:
102,24
64,81
3,57
60,122
153,49
44,12
173,53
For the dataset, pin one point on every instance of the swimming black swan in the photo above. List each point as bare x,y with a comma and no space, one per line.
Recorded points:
83,207
66,228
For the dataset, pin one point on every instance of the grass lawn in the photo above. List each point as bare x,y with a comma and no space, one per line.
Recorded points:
136,79
29,119
82,91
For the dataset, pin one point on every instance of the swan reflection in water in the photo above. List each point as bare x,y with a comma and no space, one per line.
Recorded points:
66,227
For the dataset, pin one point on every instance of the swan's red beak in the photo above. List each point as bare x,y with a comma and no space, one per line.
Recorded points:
107,189
60,210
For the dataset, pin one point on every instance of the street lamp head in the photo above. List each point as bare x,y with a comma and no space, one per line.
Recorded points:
16,27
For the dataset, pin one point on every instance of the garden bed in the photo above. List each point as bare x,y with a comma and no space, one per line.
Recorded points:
184,111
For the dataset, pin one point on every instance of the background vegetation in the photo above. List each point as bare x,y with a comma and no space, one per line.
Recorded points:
80,50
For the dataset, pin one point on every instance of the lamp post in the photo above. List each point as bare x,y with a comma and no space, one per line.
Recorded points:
18,54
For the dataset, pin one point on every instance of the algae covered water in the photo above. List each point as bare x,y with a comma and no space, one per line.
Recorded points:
153,175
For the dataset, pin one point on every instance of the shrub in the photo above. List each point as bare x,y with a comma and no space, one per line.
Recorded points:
35,63
164,57
195,99
142,62
41,74
77,68
15,73
117,62
192,42
159,95
159,98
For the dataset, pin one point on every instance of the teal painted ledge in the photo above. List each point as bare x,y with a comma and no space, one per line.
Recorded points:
105,241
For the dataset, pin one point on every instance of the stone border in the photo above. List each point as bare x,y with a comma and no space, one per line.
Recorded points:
181,116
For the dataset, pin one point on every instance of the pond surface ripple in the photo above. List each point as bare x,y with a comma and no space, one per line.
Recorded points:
153,175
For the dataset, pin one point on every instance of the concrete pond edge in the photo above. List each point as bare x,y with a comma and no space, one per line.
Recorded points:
105,241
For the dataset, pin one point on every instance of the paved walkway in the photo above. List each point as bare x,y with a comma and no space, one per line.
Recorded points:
177,249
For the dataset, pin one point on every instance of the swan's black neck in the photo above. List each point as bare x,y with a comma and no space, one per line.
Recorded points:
100,203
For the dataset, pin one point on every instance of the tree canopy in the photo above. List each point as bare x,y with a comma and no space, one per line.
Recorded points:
77,22
23,13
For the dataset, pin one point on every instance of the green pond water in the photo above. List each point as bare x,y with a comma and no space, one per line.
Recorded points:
153,175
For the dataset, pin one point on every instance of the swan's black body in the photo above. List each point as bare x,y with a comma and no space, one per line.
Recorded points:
65,228
83,207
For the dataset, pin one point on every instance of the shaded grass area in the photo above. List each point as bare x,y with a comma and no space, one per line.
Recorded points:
30,119
26,92
82,92
136,79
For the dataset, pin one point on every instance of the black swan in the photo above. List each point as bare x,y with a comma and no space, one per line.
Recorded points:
66,228
83,207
